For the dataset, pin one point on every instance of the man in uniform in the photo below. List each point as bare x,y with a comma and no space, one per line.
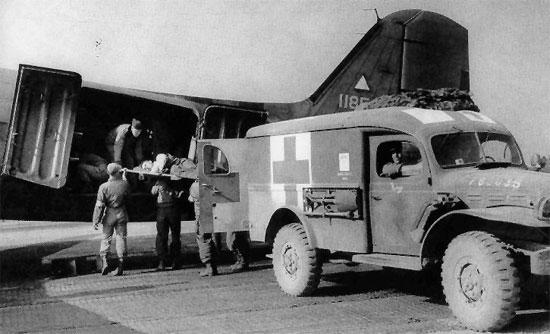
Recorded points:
110,210
204,240
125,144
237,242
168,219
396,167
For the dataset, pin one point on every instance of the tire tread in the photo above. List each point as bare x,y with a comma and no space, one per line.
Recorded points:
504,267
313,265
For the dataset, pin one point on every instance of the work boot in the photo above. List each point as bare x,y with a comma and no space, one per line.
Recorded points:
240,265
119,269
104,266
176,265
161,266
209,271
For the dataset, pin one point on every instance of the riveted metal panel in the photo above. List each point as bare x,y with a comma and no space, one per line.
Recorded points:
41,125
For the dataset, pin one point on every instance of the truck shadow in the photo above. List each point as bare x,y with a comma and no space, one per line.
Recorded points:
343,280
533,315
530,321
363,279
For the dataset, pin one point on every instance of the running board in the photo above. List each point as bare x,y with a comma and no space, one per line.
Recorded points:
389,260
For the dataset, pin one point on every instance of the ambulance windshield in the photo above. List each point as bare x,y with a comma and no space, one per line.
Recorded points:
475,149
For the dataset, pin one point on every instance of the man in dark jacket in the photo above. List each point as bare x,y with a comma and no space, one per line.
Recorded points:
168,219
125,144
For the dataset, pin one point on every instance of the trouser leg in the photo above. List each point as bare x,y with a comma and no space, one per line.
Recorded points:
204,240
104,265
162,235
175,231
206,247
105,247
121,234
207,254
238,244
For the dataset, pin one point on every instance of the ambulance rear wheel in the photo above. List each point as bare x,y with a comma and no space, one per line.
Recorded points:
295,263
480,281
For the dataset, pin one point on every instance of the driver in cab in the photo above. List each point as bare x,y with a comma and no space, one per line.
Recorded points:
396,167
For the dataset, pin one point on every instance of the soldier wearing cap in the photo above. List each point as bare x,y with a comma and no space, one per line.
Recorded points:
125,144
110,210
393,168
397,167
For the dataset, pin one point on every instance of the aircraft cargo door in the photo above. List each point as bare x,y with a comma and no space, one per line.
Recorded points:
223,198
41,125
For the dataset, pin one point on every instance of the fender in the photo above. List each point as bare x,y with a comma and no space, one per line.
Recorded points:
302,219
516,215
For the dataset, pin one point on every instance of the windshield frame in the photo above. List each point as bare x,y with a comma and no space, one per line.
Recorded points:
483,160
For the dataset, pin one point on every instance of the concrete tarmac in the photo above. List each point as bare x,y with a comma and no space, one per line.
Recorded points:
359,299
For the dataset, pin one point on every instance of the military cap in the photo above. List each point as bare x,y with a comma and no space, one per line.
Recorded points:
113,168
136,124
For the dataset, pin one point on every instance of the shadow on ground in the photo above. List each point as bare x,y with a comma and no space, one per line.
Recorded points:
364,279
534,321
26,262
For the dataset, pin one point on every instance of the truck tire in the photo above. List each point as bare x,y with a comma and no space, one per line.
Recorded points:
295,263
480,281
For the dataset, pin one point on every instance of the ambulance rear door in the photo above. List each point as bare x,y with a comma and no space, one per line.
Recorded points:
41,125
223,196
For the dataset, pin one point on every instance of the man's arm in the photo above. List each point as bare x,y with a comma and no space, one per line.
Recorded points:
156,188
99,209
119,142
391,170
194,192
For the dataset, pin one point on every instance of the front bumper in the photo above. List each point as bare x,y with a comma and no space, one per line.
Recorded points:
540,261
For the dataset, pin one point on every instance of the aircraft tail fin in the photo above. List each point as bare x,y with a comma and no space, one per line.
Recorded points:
407,50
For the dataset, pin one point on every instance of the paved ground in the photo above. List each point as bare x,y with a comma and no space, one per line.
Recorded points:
15,234
361,299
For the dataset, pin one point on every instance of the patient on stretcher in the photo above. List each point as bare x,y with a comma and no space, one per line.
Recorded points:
168,165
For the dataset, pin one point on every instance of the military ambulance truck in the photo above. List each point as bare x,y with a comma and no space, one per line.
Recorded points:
316,186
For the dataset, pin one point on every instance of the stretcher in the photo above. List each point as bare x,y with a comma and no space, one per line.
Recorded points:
141,171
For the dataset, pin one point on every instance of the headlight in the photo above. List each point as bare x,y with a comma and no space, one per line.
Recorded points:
543,209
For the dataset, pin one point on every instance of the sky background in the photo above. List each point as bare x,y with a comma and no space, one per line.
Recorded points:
276,51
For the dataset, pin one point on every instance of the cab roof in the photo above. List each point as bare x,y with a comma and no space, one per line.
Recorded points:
413,121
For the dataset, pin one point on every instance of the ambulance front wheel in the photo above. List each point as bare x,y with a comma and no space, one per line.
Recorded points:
480,281
295,263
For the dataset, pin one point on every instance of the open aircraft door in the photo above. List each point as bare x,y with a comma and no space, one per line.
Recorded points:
41,125
223,197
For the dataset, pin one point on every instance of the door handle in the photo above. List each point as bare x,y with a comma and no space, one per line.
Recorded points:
376,197
211,187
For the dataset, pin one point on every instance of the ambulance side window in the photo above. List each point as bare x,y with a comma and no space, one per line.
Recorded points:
215,162
398,159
